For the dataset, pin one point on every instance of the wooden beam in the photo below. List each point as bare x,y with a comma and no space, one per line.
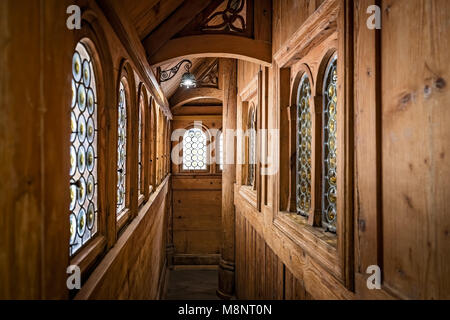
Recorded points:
174,24
228,70
213,45
115,13
155,12
197,110
186,96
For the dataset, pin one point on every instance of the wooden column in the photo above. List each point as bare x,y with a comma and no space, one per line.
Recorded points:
228,73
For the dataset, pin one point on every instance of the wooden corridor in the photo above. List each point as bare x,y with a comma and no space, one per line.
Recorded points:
290,147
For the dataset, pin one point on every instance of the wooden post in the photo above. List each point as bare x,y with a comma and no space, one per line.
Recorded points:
228,70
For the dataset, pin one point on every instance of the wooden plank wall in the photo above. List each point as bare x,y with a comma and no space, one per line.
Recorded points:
415,147
197,206
260,273
135,268
401,172
34,234
36,57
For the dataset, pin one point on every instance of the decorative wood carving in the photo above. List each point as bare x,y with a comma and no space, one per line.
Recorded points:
228,20
210,78
225,17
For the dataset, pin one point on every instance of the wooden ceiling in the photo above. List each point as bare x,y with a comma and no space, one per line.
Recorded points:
157,21
200,66
146,15
202,30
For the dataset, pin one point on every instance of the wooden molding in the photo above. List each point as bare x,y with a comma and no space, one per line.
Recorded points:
196,259
317,27
250,90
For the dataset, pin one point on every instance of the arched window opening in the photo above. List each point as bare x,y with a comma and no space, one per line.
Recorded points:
329,182
121,150
83,150
251,128
141,112
304,139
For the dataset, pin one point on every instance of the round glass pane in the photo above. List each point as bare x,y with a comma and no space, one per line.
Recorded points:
76,66
81,223
82,97
81,191
86,73
81,159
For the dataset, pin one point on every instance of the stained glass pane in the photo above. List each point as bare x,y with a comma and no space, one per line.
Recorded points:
140,167
121,150
304,138
252,147
83,151
329,196
194,150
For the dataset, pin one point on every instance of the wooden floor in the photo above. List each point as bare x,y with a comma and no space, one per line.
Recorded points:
192,285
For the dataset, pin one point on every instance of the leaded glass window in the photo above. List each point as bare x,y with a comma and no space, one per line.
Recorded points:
121,150
252,147
140,129
329,196
83,150
304,139
194,149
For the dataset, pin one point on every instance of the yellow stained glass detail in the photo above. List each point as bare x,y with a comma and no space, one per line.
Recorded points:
329,197
304,138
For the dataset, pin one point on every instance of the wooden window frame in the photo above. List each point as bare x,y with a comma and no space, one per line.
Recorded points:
207,133
309,50
152,148
126,76
92,36
252,94
143,105
216,154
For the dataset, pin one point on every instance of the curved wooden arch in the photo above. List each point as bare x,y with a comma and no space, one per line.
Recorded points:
304,68
210,45
186,96
326,59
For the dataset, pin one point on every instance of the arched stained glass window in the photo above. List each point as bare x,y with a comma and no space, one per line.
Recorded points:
194,149
252,146
329,197
140,133
304,139
121,150
83,150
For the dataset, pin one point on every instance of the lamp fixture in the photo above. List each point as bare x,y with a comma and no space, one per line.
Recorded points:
187,80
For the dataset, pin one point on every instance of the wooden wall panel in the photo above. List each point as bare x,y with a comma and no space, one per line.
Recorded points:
415,147
34,234
401,167
197,216
247,71
260,274
197,205
288,16
135,268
